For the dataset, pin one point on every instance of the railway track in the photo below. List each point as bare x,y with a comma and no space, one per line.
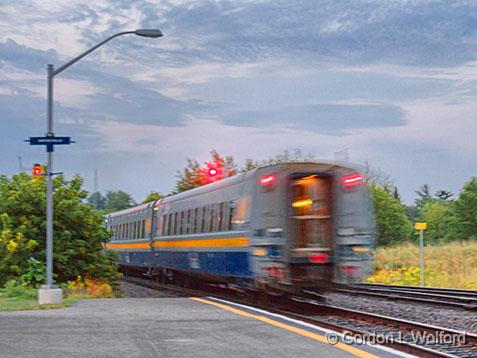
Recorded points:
408,336
466,299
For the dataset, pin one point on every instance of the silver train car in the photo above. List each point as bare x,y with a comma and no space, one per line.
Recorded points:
280,228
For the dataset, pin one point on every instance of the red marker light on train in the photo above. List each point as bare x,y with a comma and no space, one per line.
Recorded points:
318,258
349,270
267,180
352,180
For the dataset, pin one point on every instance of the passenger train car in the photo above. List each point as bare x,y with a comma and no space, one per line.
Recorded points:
280,228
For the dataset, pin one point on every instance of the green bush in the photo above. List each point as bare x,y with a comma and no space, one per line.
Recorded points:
78,232
14,290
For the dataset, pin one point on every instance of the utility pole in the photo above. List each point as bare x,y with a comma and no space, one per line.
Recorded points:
20,164
421,227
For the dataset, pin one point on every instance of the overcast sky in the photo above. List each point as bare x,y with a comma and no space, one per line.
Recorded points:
395,82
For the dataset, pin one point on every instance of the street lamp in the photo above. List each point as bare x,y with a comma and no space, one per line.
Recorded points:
47,293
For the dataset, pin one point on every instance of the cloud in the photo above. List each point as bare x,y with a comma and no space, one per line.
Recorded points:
335,119
392,81
410,33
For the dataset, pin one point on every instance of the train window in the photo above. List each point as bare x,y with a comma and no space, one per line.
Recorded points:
190,213
169,224
194,226
168,227
225,216
164,226
182,223
231,214
202,220
241,212
205,221
213,218
220,217
187,221
311,211
160,225
143,229
176,223
134,236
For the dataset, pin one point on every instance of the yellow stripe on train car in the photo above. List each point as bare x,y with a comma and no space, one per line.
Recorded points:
219,242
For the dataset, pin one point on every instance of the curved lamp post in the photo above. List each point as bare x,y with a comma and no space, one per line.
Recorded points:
49,294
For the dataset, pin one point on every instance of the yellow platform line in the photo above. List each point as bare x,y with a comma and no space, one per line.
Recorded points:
345,347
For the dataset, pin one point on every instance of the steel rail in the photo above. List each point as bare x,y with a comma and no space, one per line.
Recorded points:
468,301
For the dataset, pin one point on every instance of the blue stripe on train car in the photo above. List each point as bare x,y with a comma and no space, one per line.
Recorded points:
218,263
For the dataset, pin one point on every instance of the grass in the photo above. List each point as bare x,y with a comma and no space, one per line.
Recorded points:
16,298
450,265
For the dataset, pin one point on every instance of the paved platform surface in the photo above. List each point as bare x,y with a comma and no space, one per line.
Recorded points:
149,327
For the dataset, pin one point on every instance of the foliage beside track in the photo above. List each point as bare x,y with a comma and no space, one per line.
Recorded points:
447,265
16,297
78,232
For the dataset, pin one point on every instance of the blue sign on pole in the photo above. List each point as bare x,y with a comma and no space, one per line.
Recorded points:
49,141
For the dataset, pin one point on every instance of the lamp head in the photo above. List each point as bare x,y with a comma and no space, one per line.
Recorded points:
154,33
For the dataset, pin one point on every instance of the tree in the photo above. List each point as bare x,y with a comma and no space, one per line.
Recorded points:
413,213
195,175
463,221
79,233
436,214
424,194
152,196
286,157
443,195
376,176
396,194
118,200
97,200
392,224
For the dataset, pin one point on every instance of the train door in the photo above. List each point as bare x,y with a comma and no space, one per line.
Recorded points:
311,227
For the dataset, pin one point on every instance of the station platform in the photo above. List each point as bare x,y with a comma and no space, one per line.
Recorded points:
159,327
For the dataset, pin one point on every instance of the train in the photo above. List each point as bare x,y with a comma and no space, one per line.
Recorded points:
279,229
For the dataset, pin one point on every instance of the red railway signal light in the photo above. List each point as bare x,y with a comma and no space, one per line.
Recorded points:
213,172
37,170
